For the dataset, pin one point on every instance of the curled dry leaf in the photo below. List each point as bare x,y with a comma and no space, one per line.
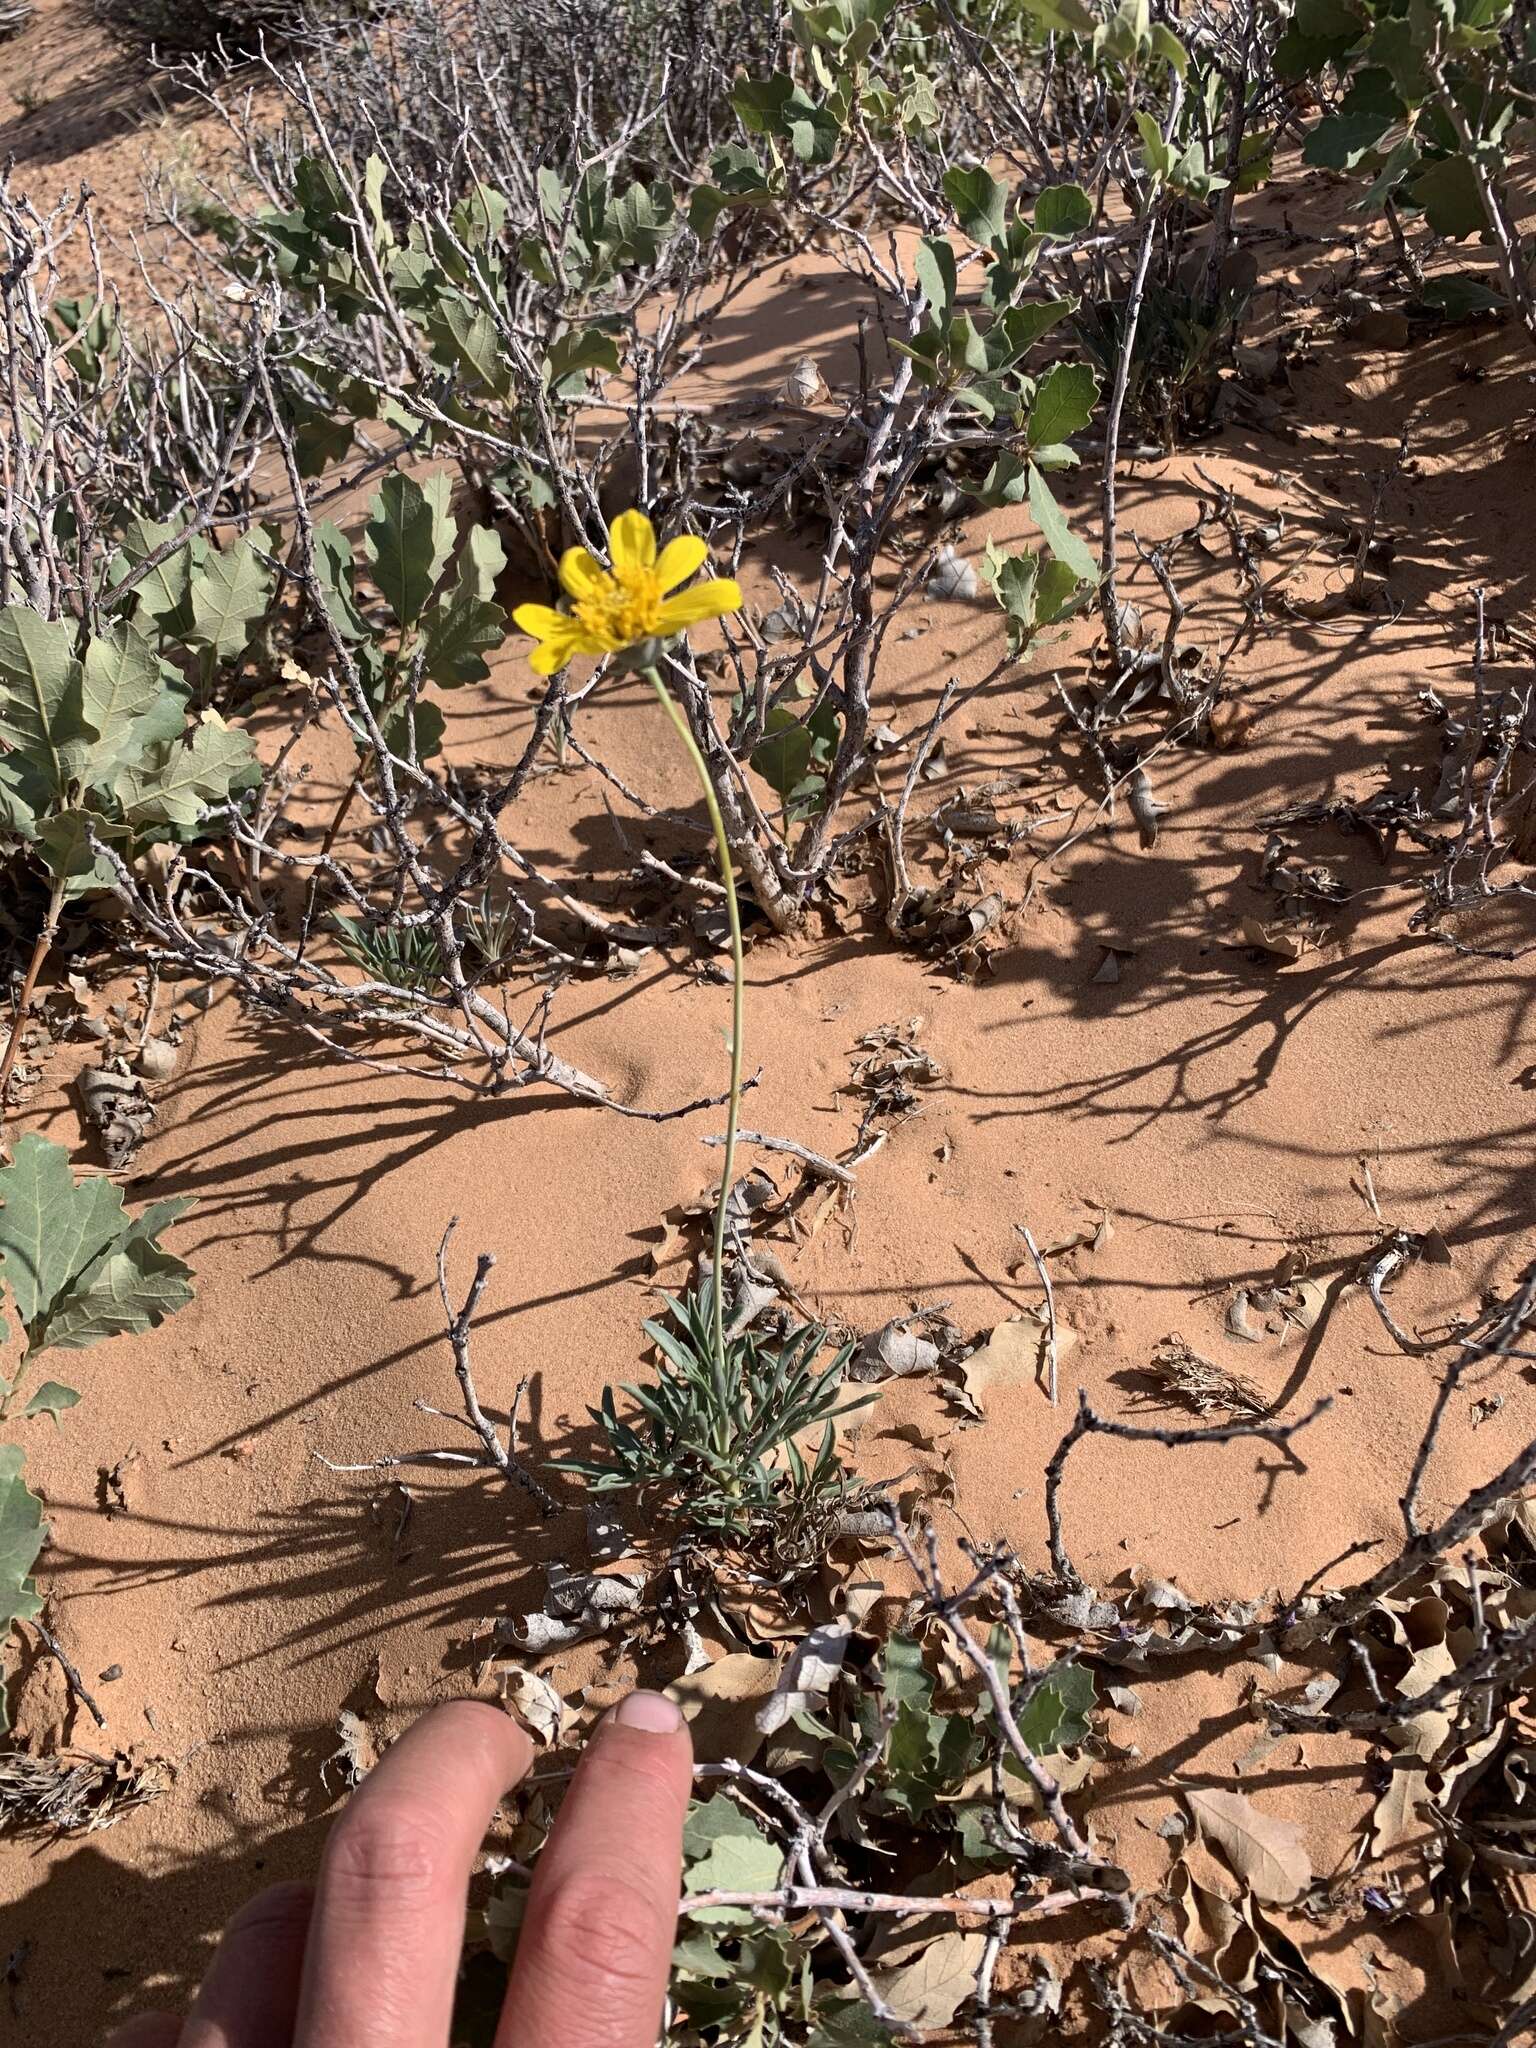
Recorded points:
534,1702
1239,1323
892,1352
1162,1596
356,1751
1395,1817
1285,942
952,577
1092,1237
721,1704
117,1109
1306,1302
804,384
579,1604
1143,807
1265,1852
807,1677
157,1059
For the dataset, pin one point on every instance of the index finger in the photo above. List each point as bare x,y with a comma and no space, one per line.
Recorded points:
596,1946
388,1925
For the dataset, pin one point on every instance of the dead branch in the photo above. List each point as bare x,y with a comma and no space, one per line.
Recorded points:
1089,1422
77,1684
460,1323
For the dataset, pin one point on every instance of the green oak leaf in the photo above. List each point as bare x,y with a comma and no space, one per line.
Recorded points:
227,597
1063,404
1063,210
21,1538
1056,1713
42,700
725,1850
123,682
1059,537
980,202
51,1226
409,539
466,624
176,781
64,841
79,1268
336,573
52,1398
131,1287
1448,193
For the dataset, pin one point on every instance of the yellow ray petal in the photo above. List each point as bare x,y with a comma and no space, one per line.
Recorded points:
540,620
705,601
555,651
580,575
678,560
632,542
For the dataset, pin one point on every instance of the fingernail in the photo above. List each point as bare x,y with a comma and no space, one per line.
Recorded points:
652,1712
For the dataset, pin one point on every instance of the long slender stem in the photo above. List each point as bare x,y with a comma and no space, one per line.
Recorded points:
1109,596
673,710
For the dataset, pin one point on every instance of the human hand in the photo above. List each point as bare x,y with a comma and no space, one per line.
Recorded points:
368,1956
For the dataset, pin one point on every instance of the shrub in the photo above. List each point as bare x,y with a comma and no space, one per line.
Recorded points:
227,29
714,1446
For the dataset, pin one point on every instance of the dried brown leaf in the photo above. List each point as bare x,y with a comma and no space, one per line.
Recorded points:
1014,1354
1396,1816
720,1704
535,1703
1265,1852
931,1989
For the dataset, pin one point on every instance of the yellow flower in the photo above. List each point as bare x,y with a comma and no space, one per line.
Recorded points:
612,609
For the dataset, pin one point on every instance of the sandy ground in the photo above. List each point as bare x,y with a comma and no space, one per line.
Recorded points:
1215,1103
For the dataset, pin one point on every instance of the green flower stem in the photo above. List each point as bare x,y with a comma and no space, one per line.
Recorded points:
738,992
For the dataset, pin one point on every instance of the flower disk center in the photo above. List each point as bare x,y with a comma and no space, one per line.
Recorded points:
624,609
